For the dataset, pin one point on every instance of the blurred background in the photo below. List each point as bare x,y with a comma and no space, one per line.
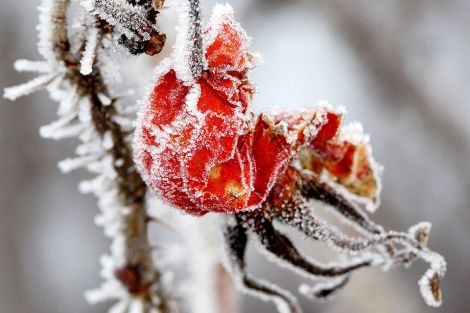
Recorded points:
401,67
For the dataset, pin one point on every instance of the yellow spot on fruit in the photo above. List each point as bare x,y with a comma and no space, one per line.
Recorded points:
214,173
234,189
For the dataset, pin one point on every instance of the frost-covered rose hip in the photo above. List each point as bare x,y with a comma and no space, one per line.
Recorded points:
198,144
201,148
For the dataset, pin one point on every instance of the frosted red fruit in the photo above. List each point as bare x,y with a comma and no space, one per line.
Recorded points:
341,153
344,156
197,144
200,147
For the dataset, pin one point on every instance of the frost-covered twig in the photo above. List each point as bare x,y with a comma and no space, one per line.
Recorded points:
376,248
54,44
89,111
188,53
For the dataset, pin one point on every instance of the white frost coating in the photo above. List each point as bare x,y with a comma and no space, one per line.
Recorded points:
200,243
91,49
87,186
74,120
69,164
191,103
182,47
107,141
421,231
84,112
50,131
354,132
187,30
203,250
219,12
22,65
68,102
48,27
312,291
239,278
372,258
220,15
110,71
136,306
426,290
40,82
120,307
105,100
88,5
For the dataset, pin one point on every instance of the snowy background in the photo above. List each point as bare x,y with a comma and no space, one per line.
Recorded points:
401,67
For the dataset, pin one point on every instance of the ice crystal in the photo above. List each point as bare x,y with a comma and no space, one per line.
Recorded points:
31,66
89,54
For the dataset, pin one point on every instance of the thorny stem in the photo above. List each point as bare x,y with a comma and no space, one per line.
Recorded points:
139,273
132,192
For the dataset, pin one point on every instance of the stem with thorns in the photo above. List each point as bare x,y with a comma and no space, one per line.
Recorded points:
135,270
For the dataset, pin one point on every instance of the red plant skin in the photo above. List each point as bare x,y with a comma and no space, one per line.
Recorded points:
200,147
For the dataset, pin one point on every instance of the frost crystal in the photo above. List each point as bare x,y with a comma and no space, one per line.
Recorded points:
31,66
25,89
89,55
